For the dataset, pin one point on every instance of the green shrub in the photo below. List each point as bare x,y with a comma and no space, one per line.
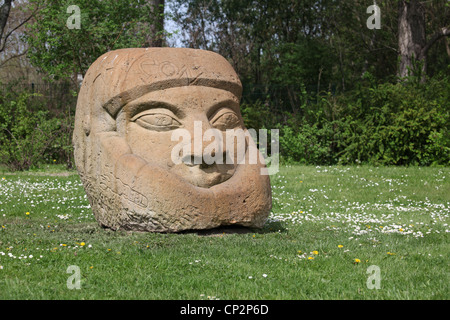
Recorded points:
25,131
61,148
307,144
379,124
257,115
396,124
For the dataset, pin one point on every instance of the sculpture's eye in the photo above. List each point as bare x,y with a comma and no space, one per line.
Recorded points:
154,120
225,119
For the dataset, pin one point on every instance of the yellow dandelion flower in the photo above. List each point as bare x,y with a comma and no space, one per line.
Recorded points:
82,244
27,213
357,261
340,246
315,252
310,258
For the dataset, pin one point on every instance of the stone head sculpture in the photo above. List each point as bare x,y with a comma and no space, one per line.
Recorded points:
130,104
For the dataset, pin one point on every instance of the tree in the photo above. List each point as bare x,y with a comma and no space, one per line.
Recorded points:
10,25
275,47
155,36
105,25
4,15
359,50
412,36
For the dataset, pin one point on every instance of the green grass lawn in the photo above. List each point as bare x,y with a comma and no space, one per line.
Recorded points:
328,226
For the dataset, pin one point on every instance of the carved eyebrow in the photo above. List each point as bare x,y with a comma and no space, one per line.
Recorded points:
136,107
229,103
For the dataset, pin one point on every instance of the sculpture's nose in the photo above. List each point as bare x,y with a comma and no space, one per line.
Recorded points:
192,160
207,146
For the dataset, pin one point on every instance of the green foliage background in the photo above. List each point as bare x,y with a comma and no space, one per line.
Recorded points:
381,124
29,134
311,69
104,26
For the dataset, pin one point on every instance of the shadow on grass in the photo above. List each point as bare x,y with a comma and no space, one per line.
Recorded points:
91,228
269,227
273,226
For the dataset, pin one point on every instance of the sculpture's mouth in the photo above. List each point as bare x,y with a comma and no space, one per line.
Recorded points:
203,175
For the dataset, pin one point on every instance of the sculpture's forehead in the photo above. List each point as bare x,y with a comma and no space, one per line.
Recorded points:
189,97
123,75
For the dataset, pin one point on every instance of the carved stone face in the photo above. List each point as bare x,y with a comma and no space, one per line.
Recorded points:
131,103
149,122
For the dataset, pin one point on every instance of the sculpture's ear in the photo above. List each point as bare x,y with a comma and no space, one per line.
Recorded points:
86,123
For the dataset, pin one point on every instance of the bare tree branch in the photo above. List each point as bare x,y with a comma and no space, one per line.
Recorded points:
444,32
13,57
15,28
447,46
